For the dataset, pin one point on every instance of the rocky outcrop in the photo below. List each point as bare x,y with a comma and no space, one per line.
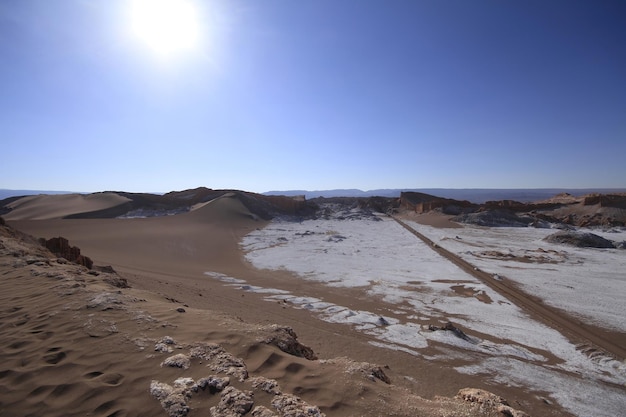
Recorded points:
286,340
233,403
61,247
495,218
487,402
606,200
453,329
219,360
580,239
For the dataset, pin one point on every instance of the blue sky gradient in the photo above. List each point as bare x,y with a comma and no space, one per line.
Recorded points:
316,95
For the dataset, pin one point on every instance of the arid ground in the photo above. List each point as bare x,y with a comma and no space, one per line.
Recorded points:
81,342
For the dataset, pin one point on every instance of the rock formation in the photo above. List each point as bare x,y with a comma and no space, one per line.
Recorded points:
61,247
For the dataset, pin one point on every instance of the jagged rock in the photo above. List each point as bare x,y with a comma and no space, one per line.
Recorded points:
220,360
579,239
452,328
173,400
177,361
213,383
286,340
489,402
61,248
290,405
116,281
268,385
233,403
260,411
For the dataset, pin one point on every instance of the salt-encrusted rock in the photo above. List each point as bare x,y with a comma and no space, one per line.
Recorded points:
290,405
184,382
286,340
162,347
173,400
177,361
106,301
165,345
213,383
260,411
219,360
268,385
489,402
233,403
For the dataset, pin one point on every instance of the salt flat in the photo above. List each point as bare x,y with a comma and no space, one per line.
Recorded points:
419,287
589,283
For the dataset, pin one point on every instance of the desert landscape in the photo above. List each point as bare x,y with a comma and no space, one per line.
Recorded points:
230,303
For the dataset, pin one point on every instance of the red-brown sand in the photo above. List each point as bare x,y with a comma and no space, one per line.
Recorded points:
75,345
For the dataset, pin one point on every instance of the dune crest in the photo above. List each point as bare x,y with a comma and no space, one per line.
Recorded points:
47,207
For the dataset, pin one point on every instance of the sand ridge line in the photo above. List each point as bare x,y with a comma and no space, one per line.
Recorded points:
573,328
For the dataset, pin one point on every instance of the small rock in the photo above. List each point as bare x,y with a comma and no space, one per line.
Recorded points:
260,411
268,385
162,347
233,403
291,406
213,383
177,361
180,310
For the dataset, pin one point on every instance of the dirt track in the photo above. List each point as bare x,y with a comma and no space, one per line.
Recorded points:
577,331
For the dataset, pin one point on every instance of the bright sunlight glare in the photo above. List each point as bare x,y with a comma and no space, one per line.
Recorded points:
165,26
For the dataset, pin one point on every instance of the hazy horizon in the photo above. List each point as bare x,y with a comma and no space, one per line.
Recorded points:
312,95
474,195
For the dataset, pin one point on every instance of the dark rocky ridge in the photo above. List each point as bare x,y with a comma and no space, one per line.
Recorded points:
580,239
607,210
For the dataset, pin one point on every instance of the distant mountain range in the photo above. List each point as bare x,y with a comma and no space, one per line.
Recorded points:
474,195
14,193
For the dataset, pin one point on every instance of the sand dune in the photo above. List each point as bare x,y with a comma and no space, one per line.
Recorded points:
45,207
74,345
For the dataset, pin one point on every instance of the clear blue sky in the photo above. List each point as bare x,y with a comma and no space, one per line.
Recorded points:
318,94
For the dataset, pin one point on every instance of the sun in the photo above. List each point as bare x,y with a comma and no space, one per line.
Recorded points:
165,26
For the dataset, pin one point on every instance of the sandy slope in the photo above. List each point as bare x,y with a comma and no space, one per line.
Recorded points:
45,207
52,359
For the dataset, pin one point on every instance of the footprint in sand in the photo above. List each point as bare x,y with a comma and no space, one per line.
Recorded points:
54,356
112,379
